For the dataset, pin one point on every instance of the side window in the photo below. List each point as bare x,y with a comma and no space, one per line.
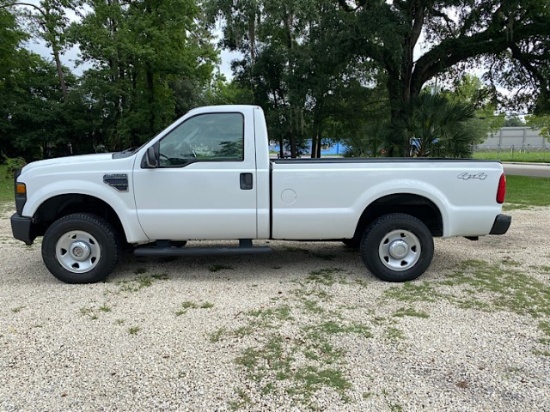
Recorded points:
208,137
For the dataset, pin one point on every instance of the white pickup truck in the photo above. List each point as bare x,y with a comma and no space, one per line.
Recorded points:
209,176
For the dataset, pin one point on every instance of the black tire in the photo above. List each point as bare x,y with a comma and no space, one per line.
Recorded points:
397,247
80,248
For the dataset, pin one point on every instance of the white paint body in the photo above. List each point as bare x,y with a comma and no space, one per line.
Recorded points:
303,199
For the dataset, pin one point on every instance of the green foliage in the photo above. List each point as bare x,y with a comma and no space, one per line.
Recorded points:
541,123
13,164
141,52
6,185
220,91
35,125
433,125
11,37
513,121
321,69
469,89
294,67
509,39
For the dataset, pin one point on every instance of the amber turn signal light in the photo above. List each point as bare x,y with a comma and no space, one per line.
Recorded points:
21,189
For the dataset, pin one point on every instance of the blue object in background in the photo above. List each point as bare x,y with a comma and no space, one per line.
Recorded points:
328,149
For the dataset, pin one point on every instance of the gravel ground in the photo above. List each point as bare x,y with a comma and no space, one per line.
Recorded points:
306,328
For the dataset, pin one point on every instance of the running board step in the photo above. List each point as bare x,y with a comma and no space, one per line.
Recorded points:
245,248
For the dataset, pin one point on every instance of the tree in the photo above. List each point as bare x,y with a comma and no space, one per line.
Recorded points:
293,64
220,91
469,90
436,126
140,53
35,126
11,38
513,121
50,21
510,38
360,118
31,115
540,122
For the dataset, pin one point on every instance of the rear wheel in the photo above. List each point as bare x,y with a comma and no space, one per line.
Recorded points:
80,248
397,247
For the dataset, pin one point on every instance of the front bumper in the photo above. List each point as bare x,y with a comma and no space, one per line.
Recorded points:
22,228
501,225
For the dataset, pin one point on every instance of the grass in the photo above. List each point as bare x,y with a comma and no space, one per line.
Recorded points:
527,191
105,308
514,156
500,286
323,276
285,356
274,362
402,312
394,334
89,312
139,283
192,305
6,185
92,313
331,327
478,285
266,317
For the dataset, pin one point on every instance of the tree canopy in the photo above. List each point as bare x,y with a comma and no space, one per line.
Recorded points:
386,77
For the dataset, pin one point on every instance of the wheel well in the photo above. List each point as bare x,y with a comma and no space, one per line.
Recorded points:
63,205
420,207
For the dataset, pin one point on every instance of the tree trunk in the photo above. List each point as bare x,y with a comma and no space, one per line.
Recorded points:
60,73
397,140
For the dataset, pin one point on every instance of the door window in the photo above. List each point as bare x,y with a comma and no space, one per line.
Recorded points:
205,137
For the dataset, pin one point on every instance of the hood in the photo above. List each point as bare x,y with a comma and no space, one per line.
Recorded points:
68,160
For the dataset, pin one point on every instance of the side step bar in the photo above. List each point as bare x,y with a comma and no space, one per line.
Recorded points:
165,249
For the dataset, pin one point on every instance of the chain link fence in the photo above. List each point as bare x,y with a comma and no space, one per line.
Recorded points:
520,144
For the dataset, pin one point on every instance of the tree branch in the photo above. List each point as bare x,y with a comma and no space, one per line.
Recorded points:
448,20
34,6
525,61
419,14
454,50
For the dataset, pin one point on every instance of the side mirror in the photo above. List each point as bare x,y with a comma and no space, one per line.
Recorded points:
151,158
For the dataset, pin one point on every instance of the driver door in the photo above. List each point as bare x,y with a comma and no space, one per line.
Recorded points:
204,184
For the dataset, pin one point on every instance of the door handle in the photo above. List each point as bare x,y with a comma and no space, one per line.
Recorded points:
247,181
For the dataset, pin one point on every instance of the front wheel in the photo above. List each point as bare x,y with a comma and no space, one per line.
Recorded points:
80,248
397,247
